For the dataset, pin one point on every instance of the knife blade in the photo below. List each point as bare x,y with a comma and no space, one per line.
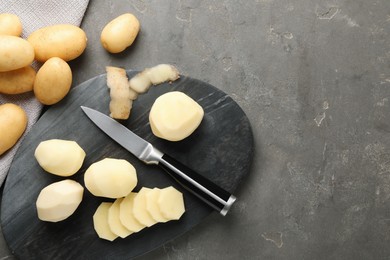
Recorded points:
206,190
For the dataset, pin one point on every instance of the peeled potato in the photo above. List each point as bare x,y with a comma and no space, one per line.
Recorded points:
126,214
15,53
11,117
100,222
53,81
60,157
171,203
10,24
152,205
120,33
174,116
114,222
139,208
64,41
59,200
110,178
17,81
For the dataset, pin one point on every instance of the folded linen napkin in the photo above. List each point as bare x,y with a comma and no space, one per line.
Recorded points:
35,14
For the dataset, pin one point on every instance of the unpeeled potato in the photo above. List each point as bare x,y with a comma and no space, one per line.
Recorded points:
13,123
10,24
15,53
120,33
53,81
17,81
65,41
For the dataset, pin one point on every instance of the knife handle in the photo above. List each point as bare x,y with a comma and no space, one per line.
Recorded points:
206,190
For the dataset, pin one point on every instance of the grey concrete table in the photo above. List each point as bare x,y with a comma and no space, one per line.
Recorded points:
313,77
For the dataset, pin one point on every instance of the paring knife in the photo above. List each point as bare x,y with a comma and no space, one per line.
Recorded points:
209,192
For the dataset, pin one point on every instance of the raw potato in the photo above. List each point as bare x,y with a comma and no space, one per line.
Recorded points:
15,53
120,95
114,222
152,205
17,81
158,74
140,83
162,73
134,212
53,81
110,178
65,41
120,33
11,117
100,222
126,213
174,116
59,200
171,203
139,208
60,157
10,24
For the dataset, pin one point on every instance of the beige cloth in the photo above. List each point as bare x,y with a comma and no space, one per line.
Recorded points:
35,14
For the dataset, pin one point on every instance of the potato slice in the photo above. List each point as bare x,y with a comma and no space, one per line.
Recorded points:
171,203
152,206
110,178
59,200
126,214
174,116
139,208
60,157
100,222
114,222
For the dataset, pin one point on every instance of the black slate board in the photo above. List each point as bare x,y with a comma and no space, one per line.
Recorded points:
221,149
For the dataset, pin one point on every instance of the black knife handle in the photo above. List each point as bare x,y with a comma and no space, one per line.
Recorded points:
206,190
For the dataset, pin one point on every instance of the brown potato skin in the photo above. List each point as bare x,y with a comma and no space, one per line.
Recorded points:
120,33
15,53
65,41
10,24
17,81
13,123
53,81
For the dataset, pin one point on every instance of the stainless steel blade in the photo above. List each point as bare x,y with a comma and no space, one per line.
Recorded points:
123,136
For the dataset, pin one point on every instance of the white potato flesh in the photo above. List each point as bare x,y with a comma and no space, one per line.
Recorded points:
174,116
59,200
152,206
139,208
158,74
100,222
171,203
114,222
110,178
126,214
60,157
162,73
140,83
